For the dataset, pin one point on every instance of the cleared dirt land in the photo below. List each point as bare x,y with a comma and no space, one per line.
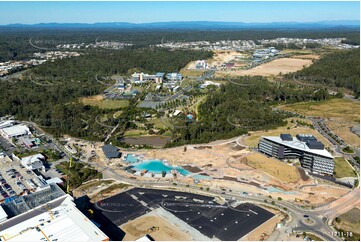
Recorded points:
220,57
341,115
191,72
140,227
272,68
277,169
102,103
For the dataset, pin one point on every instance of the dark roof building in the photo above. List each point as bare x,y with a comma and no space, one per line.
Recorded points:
286,137
110,151
306,137
315,144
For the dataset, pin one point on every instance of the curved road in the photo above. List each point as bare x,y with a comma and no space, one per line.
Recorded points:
319,227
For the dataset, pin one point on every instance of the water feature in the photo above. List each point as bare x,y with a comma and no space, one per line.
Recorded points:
157,166
274,189
201,177
131,159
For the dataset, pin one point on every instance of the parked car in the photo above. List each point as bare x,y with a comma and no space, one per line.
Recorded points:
7,187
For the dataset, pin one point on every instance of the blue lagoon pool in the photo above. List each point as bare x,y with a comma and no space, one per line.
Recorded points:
157,166
131,159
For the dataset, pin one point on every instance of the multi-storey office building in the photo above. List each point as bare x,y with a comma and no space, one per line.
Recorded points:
311,153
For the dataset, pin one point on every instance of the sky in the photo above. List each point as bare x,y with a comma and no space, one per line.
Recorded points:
145,12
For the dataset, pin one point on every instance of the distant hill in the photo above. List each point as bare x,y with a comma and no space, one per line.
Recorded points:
196,25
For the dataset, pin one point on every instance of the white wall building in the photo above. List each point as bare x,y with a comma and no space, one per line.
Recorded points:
201,64
62,221
15,131
306,148
33,162
6,124
209,83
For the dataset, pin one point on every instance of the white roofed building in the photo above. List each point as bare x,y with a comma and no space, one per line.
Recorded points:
201,64
3,215
59,220
6,124
15,131
33,162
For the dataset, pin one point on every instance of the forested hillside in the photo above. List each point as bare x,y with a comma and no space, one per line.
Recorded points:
236,109
14,42
108,62
48,94
340,69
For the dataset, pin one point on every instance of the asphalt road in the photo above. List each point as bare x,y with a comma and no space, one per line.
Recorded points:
206,75
338,147
318,227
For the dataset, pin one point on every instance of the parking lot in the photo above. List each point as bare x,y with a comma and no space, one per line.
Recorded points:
221,221
15,179
6,146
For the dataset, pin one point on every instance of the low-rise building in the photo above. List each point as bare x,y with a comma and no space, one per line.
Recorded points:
201,64
111,152
28,142
209,83
159,77
47,215
139,78
15,131
121,86
6,124
174,77
265,53
33,162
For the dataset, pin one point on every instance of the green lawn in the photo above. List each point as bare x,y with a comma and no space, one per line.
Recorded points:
115,187
95,183
101,103
349,222
343,168
314,237
158,124
135,133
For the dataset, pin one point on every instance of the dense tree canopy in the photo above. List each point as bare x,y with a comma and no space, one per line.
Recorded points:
14,43
48,94
240,106
340,69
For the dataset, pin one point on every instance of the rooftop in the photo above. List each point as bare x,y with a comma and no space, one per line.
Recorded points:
23,204
61,221
3,215
160,74
6,123
285,137
111,151
32,158
296,144
16,130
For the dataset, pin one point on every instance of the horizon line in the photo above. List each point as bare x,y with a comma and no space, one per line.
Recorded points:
185,21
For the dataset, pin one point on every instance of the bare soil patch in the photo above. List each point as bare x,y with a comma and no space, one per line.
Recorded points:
164,231
272,68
